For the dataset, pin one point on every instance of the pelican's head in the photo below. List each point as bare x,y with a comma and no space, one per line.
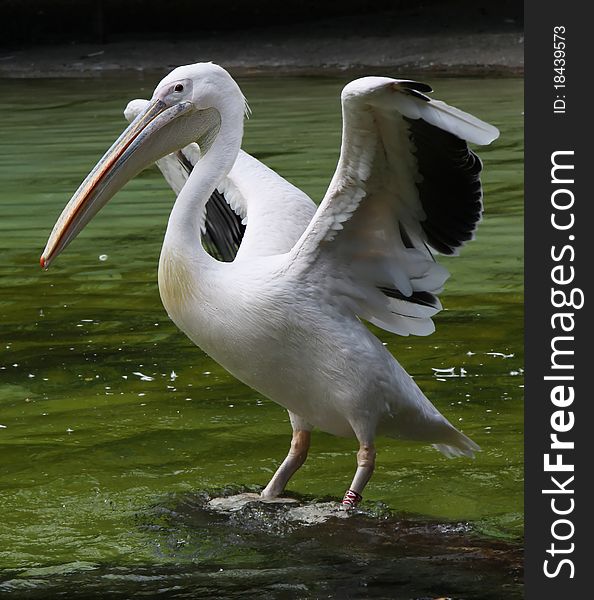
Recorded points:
186,107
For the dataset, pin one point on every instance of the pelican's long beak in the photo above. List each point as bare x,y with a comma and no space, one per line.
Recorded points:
130,153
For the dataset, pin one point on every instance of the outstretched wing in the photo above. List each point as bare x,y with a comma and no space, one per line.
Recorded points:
405,181
253,212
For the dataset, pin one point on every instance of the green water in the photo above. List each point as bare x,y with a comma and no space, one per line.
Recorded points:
110,419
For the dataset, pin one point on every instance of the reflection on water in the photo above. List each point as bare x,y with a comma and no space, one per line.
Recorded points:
106,409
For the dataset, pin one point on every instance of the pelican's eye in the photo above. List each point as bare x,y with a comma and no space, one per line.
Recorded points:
178,87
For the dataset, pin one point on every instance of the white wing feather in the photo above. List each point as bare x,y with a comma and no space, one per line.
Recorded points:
383,207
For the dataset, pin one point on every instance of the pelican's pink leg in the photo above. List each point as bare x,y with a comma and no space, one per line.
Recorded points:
365,467
296,457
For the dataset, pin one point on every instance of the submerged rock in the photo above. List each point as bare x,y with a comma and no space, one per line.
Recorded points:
312,513
238,501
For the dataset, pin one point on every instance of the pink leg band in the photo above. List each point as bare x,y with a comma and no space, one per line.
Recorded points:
351,499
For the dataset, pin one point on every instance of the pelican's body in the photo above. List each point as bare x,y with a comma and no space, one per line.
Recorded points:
283,312
270,328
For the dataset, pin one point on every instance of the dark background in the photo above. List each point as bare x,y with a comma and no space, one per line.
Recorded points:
30,22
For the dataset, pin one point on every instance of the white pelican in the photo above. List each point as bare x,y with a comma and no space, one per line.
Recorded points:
284,311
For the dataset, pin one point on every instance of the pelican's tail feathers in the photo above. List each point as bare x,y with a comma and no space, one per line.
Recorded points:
460,445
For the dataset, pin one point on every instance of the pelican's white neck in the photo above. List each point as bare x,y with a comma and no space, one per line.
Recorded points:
184,228
186,270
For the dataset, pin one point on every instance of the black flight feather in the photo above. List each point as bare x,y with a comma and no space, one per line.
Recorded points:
421,298
449,189
223,229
